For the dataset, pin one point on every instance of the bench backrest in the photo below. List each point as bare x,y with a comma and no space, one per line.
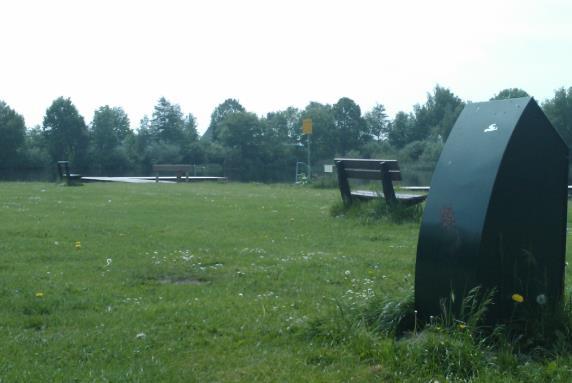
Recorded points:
172,168
369,169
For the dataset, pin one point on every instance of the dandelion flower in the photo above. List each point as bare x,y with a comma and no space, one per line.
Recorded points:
39,294
77,245
517,298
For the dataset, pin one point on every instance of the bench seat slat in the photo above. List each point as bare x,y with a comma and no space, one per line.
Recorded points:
371,174
403,197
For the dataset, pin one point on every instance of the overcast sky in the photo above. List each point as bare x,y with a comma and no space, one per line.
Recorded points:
276,53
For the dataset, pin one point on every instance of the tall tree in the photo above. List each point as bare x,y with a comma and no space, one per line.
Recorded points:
324,137
351,128
229,106
438,115
283,126
241,132
192,152
109,129
167,124
402,130
12,136
65,132
377,122
510,93
559,111
190,128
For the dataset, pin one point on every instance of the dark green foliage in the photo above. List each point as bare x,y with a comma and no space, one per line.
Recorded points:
228,107
65,133
283,127
324,139
241,132
377,122
510,93
438,115
108,133
402,130
559,112
167,124
435,118
12,137
351,128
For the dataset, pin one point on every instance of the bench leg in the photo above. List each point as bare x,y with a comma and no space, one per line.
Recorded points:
387,185
343,183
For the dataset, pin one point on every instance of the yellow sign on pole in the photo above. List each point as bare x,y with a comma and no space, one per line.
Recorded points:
307,126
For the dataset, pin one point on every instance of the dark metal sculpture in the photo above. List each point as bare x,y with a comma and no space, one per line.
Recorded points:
496,213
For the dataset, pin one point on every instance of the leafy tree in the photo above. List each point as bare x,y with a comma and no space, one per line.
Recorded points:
190,128
65,132
229,106
438,115
377,122
36,154
324,137
241,132
510,93
109,129
167,124
191,152
283,126
351,128
12,133
402,130
559,112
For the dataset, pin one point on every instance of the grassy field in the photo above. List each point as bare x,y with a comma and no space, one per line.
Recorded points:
215,283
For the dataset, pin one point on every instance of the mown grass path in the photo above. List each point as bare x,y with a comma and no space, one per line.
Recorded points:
186,282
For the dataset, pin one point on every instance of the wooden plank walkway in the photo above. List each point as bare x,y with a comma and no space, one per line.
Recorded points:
145,179
131,180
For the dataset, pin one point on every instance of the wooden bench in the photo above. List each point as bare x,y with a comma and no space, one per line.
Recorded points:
64,173
385,171
179,169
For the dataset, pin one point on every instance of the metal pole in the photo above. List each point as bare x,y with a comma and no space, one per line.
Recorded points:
309,166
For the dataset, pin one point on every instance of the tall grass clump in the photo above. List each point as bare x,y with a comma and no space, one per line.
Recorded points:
456,345
378,210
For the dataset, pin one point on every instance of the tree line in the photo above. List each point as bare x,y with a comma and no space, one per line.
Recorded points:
238,143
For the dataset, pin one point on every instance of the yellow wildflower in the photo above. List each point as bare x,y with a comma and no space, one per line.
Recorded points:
39,294
517,298
462,326
77,245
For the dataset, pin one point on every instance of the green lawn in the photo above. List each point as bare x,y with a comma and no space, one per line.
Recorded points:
204,283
